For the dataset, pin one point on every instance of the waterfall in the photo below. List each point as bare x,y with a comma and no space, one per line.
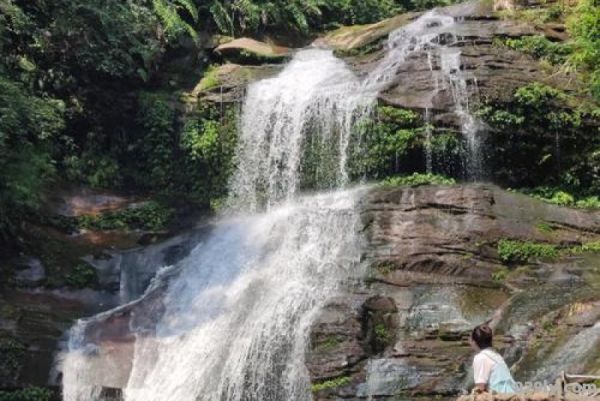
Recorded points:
231,320
428,144
313,101
435,34
235,319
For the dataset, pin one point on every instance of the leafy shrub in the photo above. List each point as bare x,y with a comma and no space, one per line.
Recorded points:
541,139
511,251
500,275
81,276
208,142
560,197
210,78
27,394
538,95
584,27
540,47
329,384
28,126
150,215
386,141
592,247
418,179
590,202
382,334
13,353
156,145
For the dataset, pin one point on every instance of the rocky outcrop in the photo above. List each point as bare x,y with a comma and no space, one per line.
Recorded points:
349,38
432,265
491,71
432,257
247,48
226,84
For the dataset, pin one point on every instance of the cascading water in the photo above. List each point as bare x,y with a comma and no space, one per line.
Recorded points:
236,317
436,35
231,321
313,101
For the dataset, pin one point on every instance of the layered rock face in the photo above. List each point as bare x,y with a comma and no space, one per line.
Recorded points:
433,276
493,72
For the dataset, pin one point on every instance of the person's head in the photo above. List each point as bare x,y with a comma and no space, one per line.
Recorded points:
481,337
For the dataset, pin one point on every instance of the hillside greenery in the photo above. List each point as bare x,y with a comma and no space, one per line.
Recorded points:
88,96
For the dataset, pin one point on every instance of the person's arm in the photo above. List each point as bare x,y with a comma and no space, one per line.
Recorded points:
482,370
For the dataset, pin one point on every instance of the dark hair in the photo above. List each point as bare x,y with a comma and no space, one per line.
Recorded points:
482,335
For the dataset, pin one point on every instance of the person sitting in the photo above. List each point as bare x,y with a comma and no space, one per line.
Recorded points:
489,369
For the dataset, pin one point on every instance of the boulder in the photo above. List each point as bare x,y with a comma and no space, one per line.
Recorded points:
354,37
247,48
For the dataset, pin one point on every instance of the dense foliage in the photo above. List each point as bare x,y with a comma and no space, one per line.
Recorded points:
580,54
27,394
541,136
584,25
85,90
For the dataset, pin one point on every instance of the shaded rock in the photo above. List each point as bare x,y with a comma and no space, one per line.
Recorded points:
86,201
30,272
31,324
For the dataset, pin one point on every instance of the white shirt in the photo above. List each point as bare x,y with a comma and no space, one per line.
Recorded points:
483,365
490,369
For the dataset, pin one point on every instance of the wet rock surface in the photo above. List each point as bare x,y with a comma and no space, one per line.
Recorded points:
432,257
490,71
401,333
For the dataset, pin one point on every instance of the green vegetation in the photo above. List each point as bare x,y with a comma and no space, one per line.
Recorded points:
330,384
27,394
12,355
534,15
329,344
580,54
559,197
81,276
388,139
543,137
501,274
382,334
150,215
544,227
542,48
515,252
593,247
584,26
210,78
418,179
385,268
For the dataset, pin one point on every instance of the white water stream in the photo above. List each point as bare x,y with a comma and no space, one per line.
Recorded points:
233,318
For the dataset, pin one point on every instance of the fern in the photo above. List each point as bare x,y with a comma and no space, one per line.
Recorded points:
172,22
298,17
190,7
221,17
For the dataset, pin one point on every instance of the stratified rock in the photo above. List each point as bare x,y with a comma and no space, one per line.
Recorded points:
433,250
356,36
